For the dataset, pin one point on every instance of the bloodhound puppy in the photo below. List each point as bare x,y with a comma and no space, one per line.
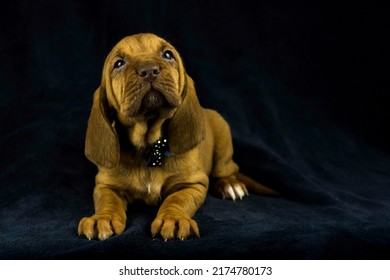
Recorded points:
153,142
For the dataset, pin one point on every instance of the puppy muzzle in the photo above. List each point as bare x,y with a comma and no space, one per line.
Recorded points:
153,100
150,103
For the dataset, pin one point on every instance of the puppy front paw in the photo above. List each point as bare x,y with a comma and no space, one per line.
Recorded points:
230,188
171,226
101,226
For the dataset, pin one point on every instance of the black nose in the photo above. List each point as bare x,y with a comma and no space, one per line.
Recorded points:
148,71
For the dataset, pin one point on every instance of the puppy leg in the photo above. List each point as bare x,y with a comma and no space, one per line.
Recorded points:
109,217
174,218
224,168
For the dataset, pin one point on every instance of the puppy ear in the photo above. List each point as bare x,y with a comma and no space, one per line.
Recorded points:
186,129
101,143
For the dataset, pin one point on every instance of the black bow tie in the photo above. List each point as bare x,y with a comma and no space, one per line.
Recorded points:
154,155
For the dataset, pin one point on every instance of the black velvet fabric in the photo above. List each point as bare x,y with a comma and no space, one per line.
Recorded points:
304,88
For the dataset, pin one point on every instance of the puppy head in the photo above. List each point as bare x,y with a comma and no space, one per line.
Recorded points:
145,86
144,76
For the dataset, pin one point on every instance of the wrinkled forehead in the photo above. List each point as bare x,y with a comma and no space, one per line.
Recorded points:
142,43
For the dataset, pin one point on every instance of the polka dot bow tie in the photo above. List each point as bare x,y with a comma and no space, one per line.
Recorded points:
154,155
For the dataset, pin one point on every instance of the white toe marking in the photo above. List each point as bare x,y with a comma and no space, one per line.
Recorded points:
230,192
104,236
239,191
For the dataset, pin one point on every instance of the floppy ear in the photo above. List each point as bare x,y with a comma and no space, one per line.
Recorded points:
186,129
101,143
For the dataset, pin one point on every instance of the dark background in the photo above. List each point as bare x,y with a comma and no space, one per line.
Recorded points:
305,89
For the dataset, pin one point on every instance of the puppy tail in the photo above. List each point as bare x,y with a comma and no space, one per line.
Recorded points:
256,187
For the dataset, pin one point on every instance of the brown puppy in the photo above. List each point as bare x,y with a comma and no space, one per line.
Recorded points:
152,141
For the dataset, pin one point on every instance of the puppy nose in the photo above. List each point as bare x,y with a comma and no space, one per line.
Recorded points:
148,71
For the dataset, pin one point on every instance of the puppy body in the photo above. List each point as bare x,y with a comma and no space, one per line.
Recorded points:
146,98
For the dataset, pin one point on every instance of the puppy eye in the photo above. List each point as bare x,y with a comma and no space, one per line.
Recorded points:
168,55
119,63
